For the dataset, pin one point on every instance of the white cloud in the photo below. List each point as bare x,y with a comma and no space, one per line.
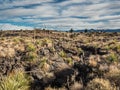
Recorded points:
13,27
14,3
92,10
100,13
65,3
42,11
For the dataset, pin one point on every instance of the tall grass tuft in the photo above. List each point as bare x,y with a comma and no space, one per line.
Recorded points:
99,84
15,81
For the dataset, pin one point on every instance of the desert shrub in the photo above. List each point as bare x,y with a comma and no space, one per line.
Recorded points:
99,84
7,52
39,42
47,41
31,56
43,62
76,86
118,48
62,53
112,57
80,50
107,47
69,61
16,40
15,81
114,77
30,47
52,49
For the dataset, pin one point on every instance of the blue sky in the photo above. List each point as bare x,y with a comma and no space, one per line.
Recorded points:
59,14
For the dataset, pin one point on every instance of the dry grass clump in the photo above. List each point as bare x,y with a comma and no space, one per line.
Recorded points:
99,84
31,56
76,86
18,40
7,51
75,58
15,81
118,47
113,57
43,64
69,60
30,47
62,53
19,47
93,61
114,76
48,42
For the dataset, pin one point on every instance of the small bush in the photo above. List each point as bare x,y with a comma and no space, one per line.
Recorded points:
114,77
39,42
15,81
47,41
99,84
69,61
76,86
62,53
16,40
30,47
112,57
43,62
31,56
118,48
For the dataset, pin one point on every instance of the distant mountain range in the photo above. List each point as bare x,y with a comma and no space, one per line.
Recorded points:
94,30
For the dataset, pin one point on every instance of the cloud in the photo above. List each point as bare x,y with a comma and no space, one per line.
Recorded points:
61,14
13,27
42,11
19,3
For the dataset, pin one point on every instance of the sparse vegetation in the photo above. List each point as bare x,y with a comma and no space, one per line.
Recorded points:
30,47
114,77
31,56
17,80
62,53
69,61
99,84
113,57
43,62
59,60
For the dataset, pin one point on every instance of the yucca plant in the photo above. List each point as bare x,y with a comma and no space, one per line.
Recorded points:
15,81
30,47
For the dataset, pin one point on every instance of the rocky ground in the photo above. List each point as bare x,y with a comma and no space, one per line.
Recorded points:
51,60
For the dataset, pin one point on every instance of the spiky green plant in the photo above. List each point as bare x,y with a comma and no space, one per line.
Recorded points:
62,53
69,61
43,61
15,81
31,56
30,47
113,57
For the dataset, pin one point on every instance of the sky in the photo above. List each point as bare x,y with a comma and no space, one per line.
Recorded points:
59,14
